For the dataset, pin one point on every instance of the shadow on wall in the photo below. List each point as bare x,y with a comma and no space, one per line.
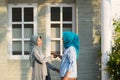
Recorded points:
3,22
3,33
25,70
89,32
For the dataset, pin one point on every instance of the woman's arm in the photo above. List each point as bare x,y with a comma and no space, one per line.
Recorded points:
50,66
41,57
71,57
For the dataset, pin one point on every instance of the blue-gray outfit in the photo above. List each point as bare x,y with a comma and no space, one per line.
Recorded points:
69,59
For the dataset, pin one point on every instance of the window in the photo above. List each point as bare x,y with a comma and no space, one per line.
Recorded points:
60,17
22,24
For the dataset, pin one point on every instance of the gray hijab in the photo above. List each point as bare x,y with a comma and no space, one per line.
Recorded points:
33,45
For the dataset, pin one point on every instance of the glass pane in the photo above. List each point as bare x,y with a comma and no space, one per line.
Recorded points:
67,27
26,47
16,15
55,47
28,30
67,13
55,30
55,13
16,31
28,14
17,48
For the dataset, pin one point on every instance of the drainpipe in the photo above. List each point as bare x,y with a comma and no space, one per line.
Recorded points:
106,35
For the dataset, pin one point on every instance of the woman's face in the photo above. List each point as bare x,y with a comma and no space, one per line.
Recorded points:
39,42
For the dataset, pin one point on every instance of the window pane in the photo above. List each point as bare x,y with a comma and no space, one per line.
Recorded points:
17,48
28,30
28,14
55,47
26,47
55,30
55,13
16,31
67,13
67,27
16,15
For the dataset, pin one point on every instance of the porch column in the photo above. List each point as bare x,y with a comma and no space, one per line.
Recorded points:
106,35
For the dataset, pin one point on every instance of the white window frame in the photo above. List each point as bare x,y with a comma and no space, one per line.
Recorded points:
48,22
10,6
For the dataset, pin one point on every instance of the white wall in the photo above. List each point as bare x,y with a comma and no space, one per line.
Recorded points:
115,8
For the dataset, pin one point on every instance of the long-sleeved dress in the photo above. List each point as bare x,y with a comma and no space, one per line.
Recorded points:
69,63
39,66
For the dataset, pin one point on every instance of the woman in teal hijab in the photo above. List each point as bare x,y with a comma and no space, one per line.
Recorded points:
71,39
68,66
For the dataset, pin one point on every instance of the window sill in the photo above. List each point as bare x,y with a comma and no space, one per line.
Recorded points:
18,57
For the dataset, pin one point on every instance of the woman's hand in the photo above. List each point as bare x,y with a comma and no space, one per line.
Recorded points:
66,77
53,55
57,70
58,55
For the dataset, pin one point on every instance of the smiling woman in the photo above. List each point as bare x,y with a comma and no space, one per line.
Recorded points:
39,41
40,63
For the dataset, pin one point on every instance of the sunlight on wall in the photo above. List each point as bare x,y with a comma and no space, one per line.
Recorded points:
2,9
3,16
115,8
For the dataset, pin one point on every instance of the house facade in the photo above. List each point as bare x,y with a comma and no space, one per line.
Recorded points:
19,19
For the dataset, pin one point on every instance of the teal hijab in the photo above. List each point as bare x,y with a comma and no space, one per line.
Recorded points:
71,39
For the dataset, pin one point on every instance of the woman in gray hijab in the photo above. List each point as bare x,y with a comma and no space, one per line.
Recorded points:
39,62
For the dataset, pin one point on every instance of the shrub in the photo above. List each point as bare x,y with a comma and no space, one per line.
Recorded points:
113,64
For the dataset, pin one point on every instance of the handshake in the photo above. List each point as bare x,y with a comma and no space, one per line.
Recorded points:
55,55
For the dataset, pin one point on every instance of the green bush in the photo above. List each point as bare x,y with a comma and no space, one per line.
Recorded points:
113,65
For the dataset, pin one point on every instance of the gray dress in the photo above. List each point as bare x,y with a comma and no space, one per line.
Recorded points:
39,66
39,61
